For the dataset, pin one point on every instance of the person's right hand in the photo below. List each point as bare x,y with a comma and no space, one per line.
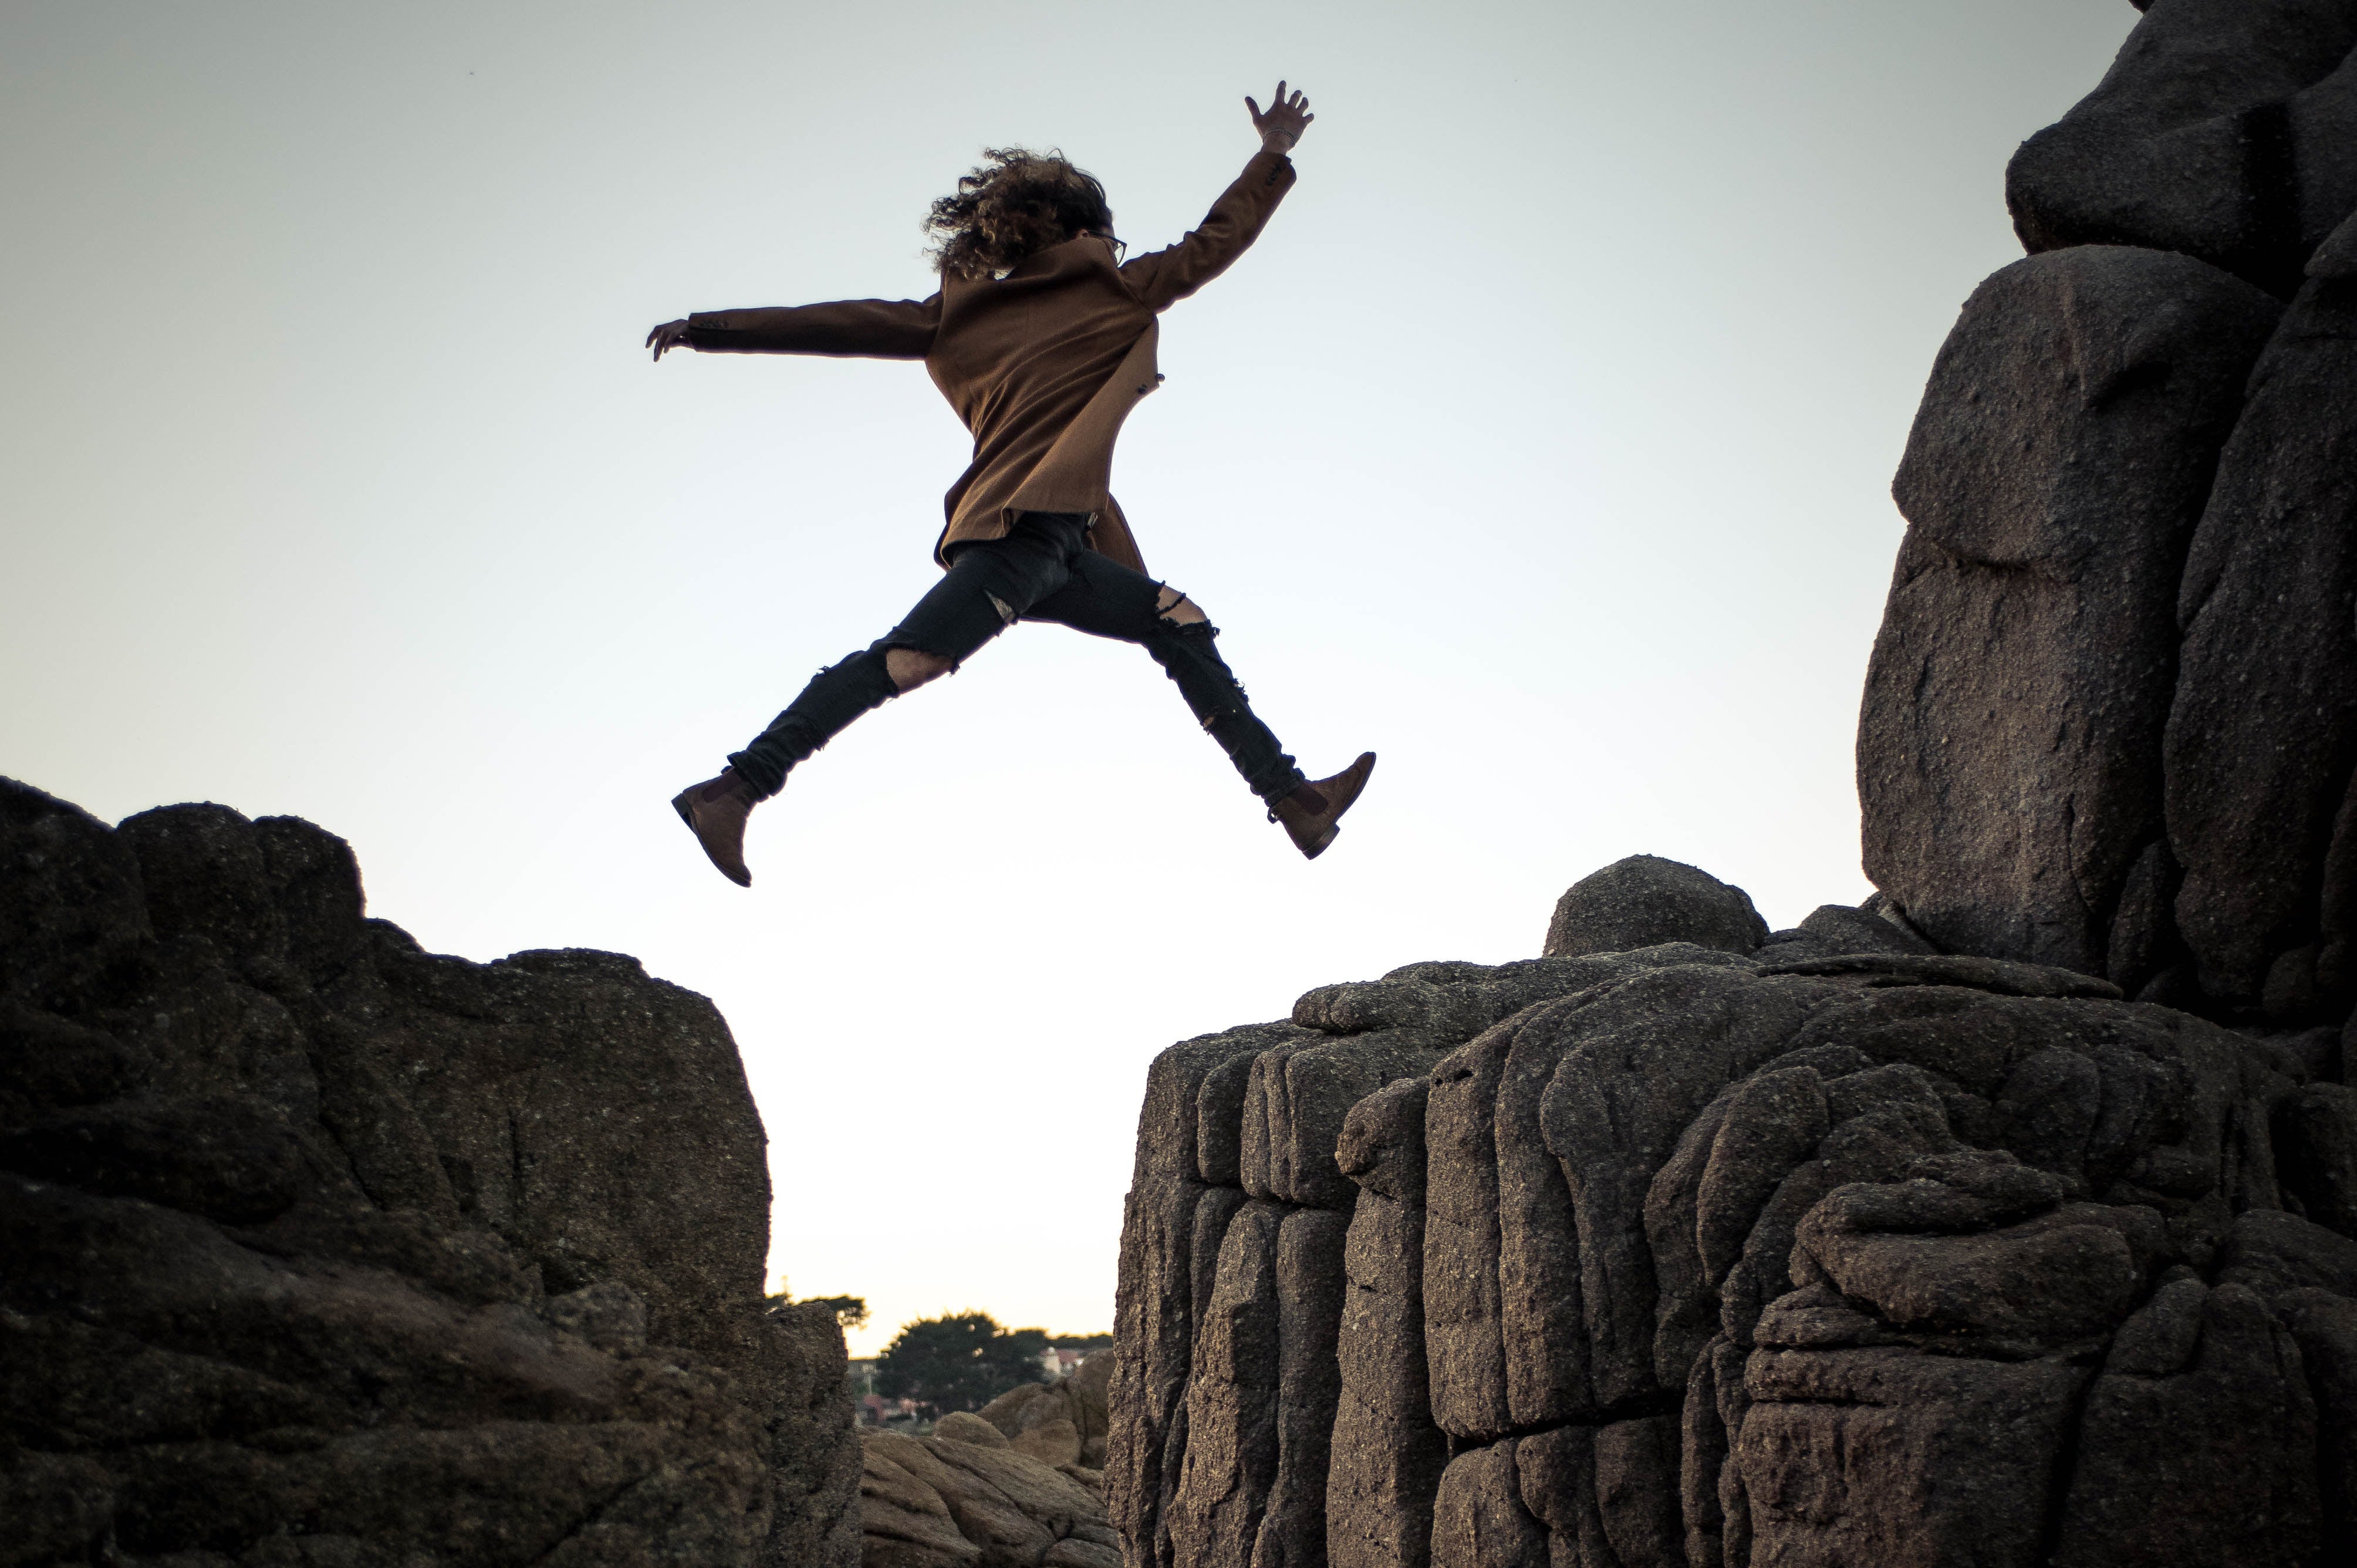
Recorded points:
670,334
1282,126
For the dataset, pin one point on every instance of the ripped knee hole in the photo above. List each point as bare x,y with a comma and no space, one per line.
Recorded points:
1177,608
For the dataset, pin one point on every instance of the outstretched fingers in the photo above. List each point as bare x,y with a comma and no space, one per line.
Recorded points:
1287,116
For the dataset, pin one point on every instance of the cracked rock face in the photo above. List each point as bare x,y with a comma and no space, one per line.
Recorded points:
1687,1256
324,1249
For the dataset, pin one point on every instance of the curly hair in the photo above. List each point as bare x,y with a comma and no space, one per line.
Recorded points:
1016,203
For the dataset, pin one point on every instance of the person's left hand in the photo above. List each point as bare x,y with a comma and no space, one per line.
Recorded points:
1281,127
670,334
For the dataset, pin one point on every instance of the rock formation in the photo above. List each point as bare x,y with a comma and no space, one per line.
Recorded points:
1015,1486
322,1249
2009,1219
1832,1253
1059,1423
2111,719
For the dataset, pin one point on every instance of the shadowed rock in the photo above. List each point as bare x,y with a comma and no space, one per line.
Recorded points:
314,1235
2218,131
2263,736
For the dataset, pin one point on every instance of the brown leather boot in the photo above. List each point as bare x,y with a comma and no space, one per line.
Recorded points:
715,811
1310,814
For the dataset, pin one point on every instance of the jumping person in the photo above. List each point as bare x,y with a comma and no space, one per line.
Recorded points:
1042,338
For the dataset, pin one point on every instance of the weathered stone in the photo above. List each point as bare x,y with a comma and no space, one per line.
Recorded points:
262,1285
1463,1321
2189,144
1062,1424
1874,1139
1543,1328
1479,1520
2324,1326
904,1523
1300,1091
1645,900
2316,1153
1654,1052
1702,1204
939,1500
1892,1456
1233,1401
1845,929
2264,728
2272,1253
2043,1283
2198,1444
1310,1293
1928,1188
1605,1494
964,1426
1172,1225
1702,1458
2010,743
1387,1452
1999,976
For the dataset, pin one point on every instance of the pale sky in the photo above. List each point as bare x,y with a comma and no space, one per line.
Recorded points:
1541,446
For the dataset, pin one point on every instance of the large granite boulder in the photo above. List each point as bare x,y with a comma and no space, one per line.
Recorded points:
1643,901
1058,1423
1707,1258
2263,735
2111,721
324,1249
2224,131
2009,742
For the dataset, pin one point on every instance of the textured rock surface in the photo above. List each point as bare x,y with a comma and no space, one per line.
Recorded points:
2008,1219
2009,743
2090,409
966,1498
2263,737
326,1250
2222,131
1645,901
1836,1258
1059,1423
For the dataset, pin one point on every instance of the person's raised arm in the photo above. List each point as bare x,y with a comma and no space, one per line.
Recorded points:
1235,219
856,328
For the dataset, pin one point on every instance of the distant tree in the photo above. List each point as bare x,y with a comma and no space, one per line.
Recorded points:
959,1362
850,1311
1087,1343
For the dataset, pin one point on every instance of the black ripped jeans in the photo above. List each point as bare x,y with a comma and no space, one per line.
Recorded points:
1043,570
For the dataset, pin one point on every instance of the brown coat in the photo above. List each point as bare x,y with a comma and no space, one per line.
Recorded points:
1043,364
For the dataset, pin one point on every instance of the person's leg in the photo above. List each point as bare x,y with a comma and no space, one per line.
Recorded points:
1105,598
988,584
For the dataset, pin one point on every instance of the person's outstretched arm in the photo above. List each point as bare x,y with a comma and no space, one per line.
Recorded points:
855,328
1236,218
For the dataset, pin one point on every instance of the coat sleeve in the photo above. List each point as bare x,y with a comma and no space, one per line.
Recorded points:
1164,277
863,329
